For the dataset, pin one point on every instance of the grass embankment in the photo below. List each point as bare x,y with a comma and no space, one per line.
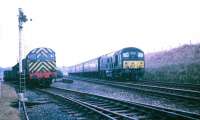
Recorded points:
180,65
176,73
8,95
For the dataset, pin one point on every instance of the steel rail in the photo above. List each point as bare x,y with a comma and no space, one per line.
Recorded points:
24,110
168,113
102,112
188,86
184,86
178,93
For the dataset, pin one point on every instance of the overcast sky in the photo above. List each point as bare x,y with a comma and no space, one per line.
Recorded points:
79,30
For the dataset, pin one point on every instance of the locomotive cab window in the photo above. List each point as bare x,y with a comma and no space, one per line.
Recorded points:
51,57
32,57
125,55
140,55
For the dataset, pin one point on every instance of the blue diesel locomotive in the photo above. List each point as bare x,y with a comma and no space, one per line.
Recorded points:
125,64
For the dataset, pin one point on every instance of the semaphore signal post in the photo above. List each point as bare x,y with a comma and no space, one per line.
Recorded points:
22,85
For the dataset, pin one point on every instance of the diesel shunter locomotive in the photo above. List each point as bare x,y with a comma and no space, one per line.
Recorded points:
125,64
39,67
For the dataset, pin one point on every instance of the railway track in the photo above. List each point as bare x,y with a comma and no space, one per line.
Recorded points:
25,114
160,90
82,110
119,110
186,86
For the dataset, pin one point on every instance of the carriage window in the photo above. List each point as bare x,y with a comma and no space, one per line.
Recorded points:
125,55
140,55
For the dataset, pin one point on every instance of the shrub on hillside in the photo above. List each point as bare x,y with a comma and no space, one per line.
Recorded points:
175,73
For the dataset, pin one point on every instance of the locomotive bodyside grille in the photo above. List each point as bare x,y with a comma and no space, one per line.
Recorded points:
133,64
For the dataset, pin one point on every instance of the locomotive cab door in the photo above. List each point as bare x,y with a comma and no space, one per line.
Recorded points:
116,61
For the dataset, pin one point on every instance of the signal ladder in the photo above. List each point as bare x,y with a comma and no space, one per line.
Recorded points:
22,82
22,90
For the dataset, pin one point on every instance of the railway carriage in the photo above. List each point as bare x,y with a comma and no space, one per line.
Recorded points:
124,64
90,68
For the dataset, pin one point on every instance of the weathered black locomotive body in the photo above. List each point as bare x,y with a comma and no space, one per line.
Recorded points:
127,63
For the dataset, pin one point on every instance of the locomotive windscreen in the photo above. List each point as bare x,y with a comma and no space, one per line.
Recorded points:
133,54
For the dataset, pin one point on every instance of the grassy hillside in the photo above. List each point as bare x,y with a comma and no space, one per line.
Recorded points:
181,65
